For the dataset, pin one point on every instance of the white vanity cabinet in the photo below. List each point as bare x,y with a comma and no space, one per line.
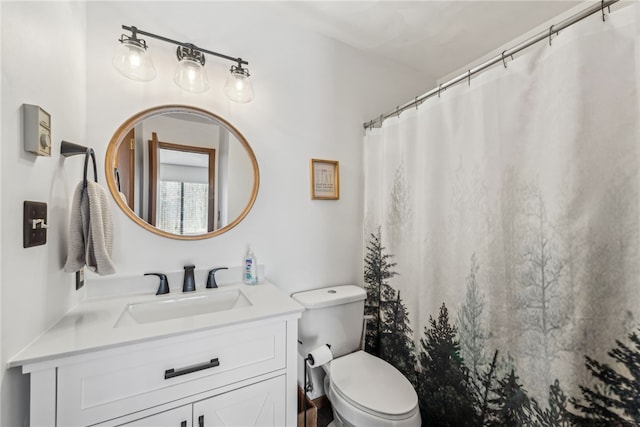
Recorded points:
237,375
260,405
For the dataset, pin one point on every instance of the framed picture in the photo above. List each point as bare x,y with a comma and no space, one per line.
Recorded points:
325,180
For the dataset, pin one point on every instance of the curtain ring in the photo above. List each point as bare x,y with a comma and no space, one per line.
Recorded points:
469,78
439,88
397,111
416,102
381,119
504,62
550,32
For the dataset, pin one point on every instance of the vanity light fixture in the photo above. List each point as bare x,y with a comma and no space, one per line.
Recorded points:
132,60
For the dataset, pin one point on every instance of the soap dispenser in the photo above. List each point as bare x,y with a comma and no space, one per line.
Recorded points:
250,268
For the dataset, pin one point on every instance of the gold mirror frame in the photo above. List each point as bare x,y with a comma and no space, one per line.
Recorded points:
121,132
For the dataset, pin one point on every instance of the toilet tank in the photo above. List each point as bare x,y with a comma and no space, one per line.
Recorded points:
332,316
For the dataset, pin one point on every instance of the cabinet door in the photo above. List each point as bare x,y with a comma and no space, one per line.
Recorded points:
179,417
257,405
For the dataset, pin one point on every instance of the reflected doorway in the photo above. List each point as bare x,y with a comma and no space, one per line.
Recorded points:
182,190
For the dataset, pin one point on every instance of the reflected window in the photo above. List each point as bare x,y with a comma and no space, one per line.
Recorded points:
183,207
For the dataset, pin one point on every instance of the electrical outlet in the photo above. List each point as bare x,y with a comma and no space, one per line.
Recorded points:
79,279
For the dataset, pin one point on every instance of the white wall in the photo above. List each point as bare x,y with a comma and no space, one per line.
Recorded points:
42,63
312,96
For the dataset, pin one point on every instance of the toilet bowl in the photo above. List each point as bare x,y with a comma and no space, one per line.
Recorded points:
366,391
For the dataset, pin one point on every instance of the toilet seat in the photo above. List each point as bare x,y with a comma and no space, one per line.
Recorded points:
373,386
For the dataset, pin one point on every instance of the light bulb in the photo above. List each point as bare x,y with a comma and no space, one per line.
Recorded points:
238,87
191,76
132,60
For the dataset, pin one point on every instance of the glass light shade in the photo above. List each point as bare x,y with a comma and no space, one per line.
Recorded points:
238,87
191,76
133,61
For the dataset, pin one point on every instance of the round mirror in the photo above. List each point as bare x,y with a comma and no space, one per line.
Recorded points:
181,172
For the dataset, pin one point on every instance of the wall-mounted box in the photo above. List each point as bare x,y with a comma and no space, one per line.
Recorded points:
34,224
37,130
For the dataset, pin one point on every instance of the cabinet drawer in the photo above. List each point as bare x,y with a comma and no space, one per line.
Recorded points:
141,376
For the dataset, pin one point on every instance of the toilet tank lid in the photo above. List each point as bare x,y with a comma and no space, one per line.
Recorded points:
325,297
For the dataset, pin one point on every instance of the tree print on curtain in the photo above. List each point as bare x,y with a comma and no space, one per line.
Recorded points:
458,391
389,334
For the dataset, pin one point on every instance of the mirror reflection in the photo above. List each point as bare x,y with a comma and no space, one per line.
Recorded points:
182,172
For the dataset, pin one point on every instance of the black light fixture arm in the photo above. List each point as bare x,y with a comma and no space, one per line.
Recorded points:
134,30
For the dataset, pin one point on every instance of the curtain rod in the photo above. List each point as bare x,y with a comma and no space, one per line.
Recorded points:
556,28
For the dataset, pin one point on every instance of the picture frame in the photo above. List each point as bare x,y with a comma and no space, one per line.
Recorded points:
325,179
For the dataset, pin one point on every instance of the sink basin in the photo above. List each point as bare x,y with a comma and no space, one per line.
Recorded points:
183,306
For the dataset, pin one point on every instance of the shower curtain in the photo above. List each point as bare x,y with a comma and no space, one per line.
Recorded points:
502,237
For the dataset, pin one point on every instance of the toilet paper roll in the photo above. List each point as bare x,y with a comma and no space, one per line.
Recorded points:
320,356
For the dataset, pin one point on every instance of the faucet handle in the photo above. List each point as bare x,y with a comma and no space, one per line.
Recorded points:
163,288
211,279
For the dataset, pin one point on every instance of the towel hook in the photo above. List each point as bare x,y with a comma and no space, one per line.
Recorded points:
89,153
68,149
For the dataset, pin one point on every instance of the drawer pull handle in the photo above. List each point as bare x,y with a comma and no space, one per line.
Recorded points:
201,421
183,424
170,373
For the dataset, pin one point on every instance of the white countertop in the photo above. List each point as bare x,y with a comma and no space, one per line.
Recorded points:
91,324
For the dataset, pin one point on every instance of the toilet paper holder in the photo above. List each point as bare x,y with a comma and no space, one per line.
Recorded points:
311,361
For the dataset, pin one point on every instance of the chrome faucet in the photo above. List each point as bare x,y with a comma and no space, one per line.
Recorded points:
189,283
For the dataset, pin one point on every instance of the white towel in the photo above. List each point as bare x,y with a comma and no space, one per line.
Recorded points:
90,231
123,197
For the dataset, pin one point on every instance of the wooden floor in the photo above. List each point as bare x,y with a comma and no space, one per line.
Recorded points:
319,411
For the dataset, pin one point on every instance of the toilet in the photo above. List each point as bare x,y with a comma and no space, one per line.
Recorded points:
364,390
